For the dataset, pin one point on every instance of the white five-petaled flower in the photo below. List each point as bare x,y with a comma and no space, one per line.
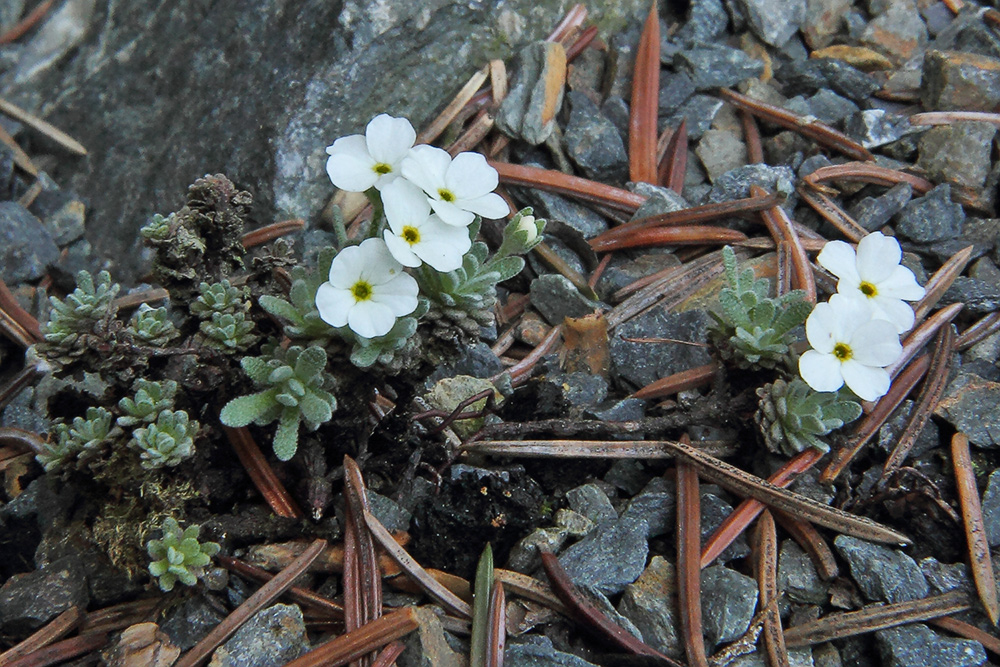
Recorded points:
415,235
359,161
875,275
457,189
367,290
849,347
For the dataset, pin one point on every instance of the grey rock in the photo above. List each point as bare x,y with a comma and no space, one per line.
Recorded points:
392,515
603,604
525,556
882,573
591,501
933,217
899,32
476,360
10,13
962,81
736,183
823,20
699,111
721,151
797,576
728,600
582,390
537,651
716,65
623,271
625,409
980,297
797,657
188,623
808,76
991,509
874,212
655,506
972,405
616,110
593,143
658,200
429,646
639,364
62,213
773,21
630,476
917,645
715,510
675,89
830,107
26,246
888,434
651,604
556,298
61,32
22,412
271,638
29,601
610,558
706,20
977,38
573,523
943,577
958,153
528,112
877,127
554,207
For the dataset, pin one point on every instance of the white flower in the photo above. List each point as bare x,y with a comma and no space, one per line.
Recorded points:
527,225
359,161
415,235
875,275
367,291
848,347
458,189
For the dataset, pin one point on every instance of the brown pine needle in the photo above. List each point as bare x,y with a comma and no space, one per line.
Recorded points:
301,596
120,616
352,645
60,652
678,382
673,164
261,473
496,636
387,657
751,136
766,569
27,23
777,218
875,617
24,319
54,630
270,232
21,159
434,129
44,127
362,582
949,117
264,596
919,337
645,99
812,543
975,530
550,180
688,569
866,172
833,214
748,510
984,327
942,279
529,588
661,236
562,267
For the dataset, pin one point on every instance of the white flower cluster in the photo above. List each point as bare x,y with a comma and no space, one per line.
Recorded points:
855,335
429,201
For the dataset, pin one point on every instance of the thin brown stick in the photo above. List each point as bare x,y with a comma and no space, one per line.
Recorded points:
496,635
21,159
363,603
674,166
120,616
522,368
766,569
39,125
942,279
660,236
919,337
21,28
963,629
975,530
751,136
985,327
352,645
573,186
812,543
529,588
10,305
688,569
580,43
776,216
270,232
434,129
301,596
388,655
54,630
645,91
678,382
261,474
867,172
949,117
264,596
573,19
14,331
833,214
62,651
563,268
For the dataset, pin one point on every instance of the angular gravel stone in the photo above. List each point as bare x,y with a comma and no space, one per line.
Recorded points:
830,107
736,183
537,651
980,297
699,110
651,604
808,76
797,576
271,638
877,127
960,81
26,246
655,505
187,624
773,21
958,153
933,217
898,32
675,89
707,19
916,645
639,364
823,19
591,501
874,212
728,600
721,151
991,509
536,91
972,405
62,213
29,601
717,66
556,298
429,646
554,207
593,143
882,573
610,558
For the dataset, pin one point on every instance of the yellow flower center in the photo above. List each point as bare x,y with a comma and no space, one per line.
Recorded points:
868,289
842,351
361,290
446,195
411,235
381,168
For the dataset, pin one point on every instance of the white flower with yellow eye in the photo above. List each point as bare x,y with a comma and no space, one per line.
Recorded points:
457,189
415,235
360,161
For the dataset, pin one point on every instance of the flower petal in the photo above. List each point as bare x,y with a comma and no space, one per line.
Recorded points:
820,371
401,251
850,311
875,343
469,176
821,325
379,265
451,214
441,255
839,259
867,382
404,204
489,205
898,312
347,266
425,167
901,284
389,139
370,319
877,256
334,304
399,295
349,166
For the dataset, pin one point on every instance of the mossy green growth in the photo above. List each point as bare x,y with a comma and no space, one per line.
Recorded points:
792,416
296,383
151,398
84,307
167,442
178,555
81,439
152,326
754,328
228,331
220,297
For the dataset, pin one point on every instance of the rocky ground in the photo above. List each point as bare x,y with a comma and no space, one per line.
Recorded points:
161,93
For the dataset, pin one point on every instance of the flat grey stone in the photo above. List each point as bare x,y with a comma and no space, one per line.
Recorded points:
675,89
26,246
898,32
555,207
537,651
707,19
991,509
721,151
717,66
972,405
874,212
735,184
878,127
591,501
958,153
654,505
728,601
593,143
960,81
29,601
528,112
797,576
651,604
882,573
830,107
639,364
610,558
933,217
809,75
272,637
979,296
773,21
699,111
556,298
916,645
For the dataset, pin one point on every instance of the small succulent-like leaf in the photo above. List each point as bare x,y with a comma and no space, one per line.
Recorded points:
245,410
286,438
